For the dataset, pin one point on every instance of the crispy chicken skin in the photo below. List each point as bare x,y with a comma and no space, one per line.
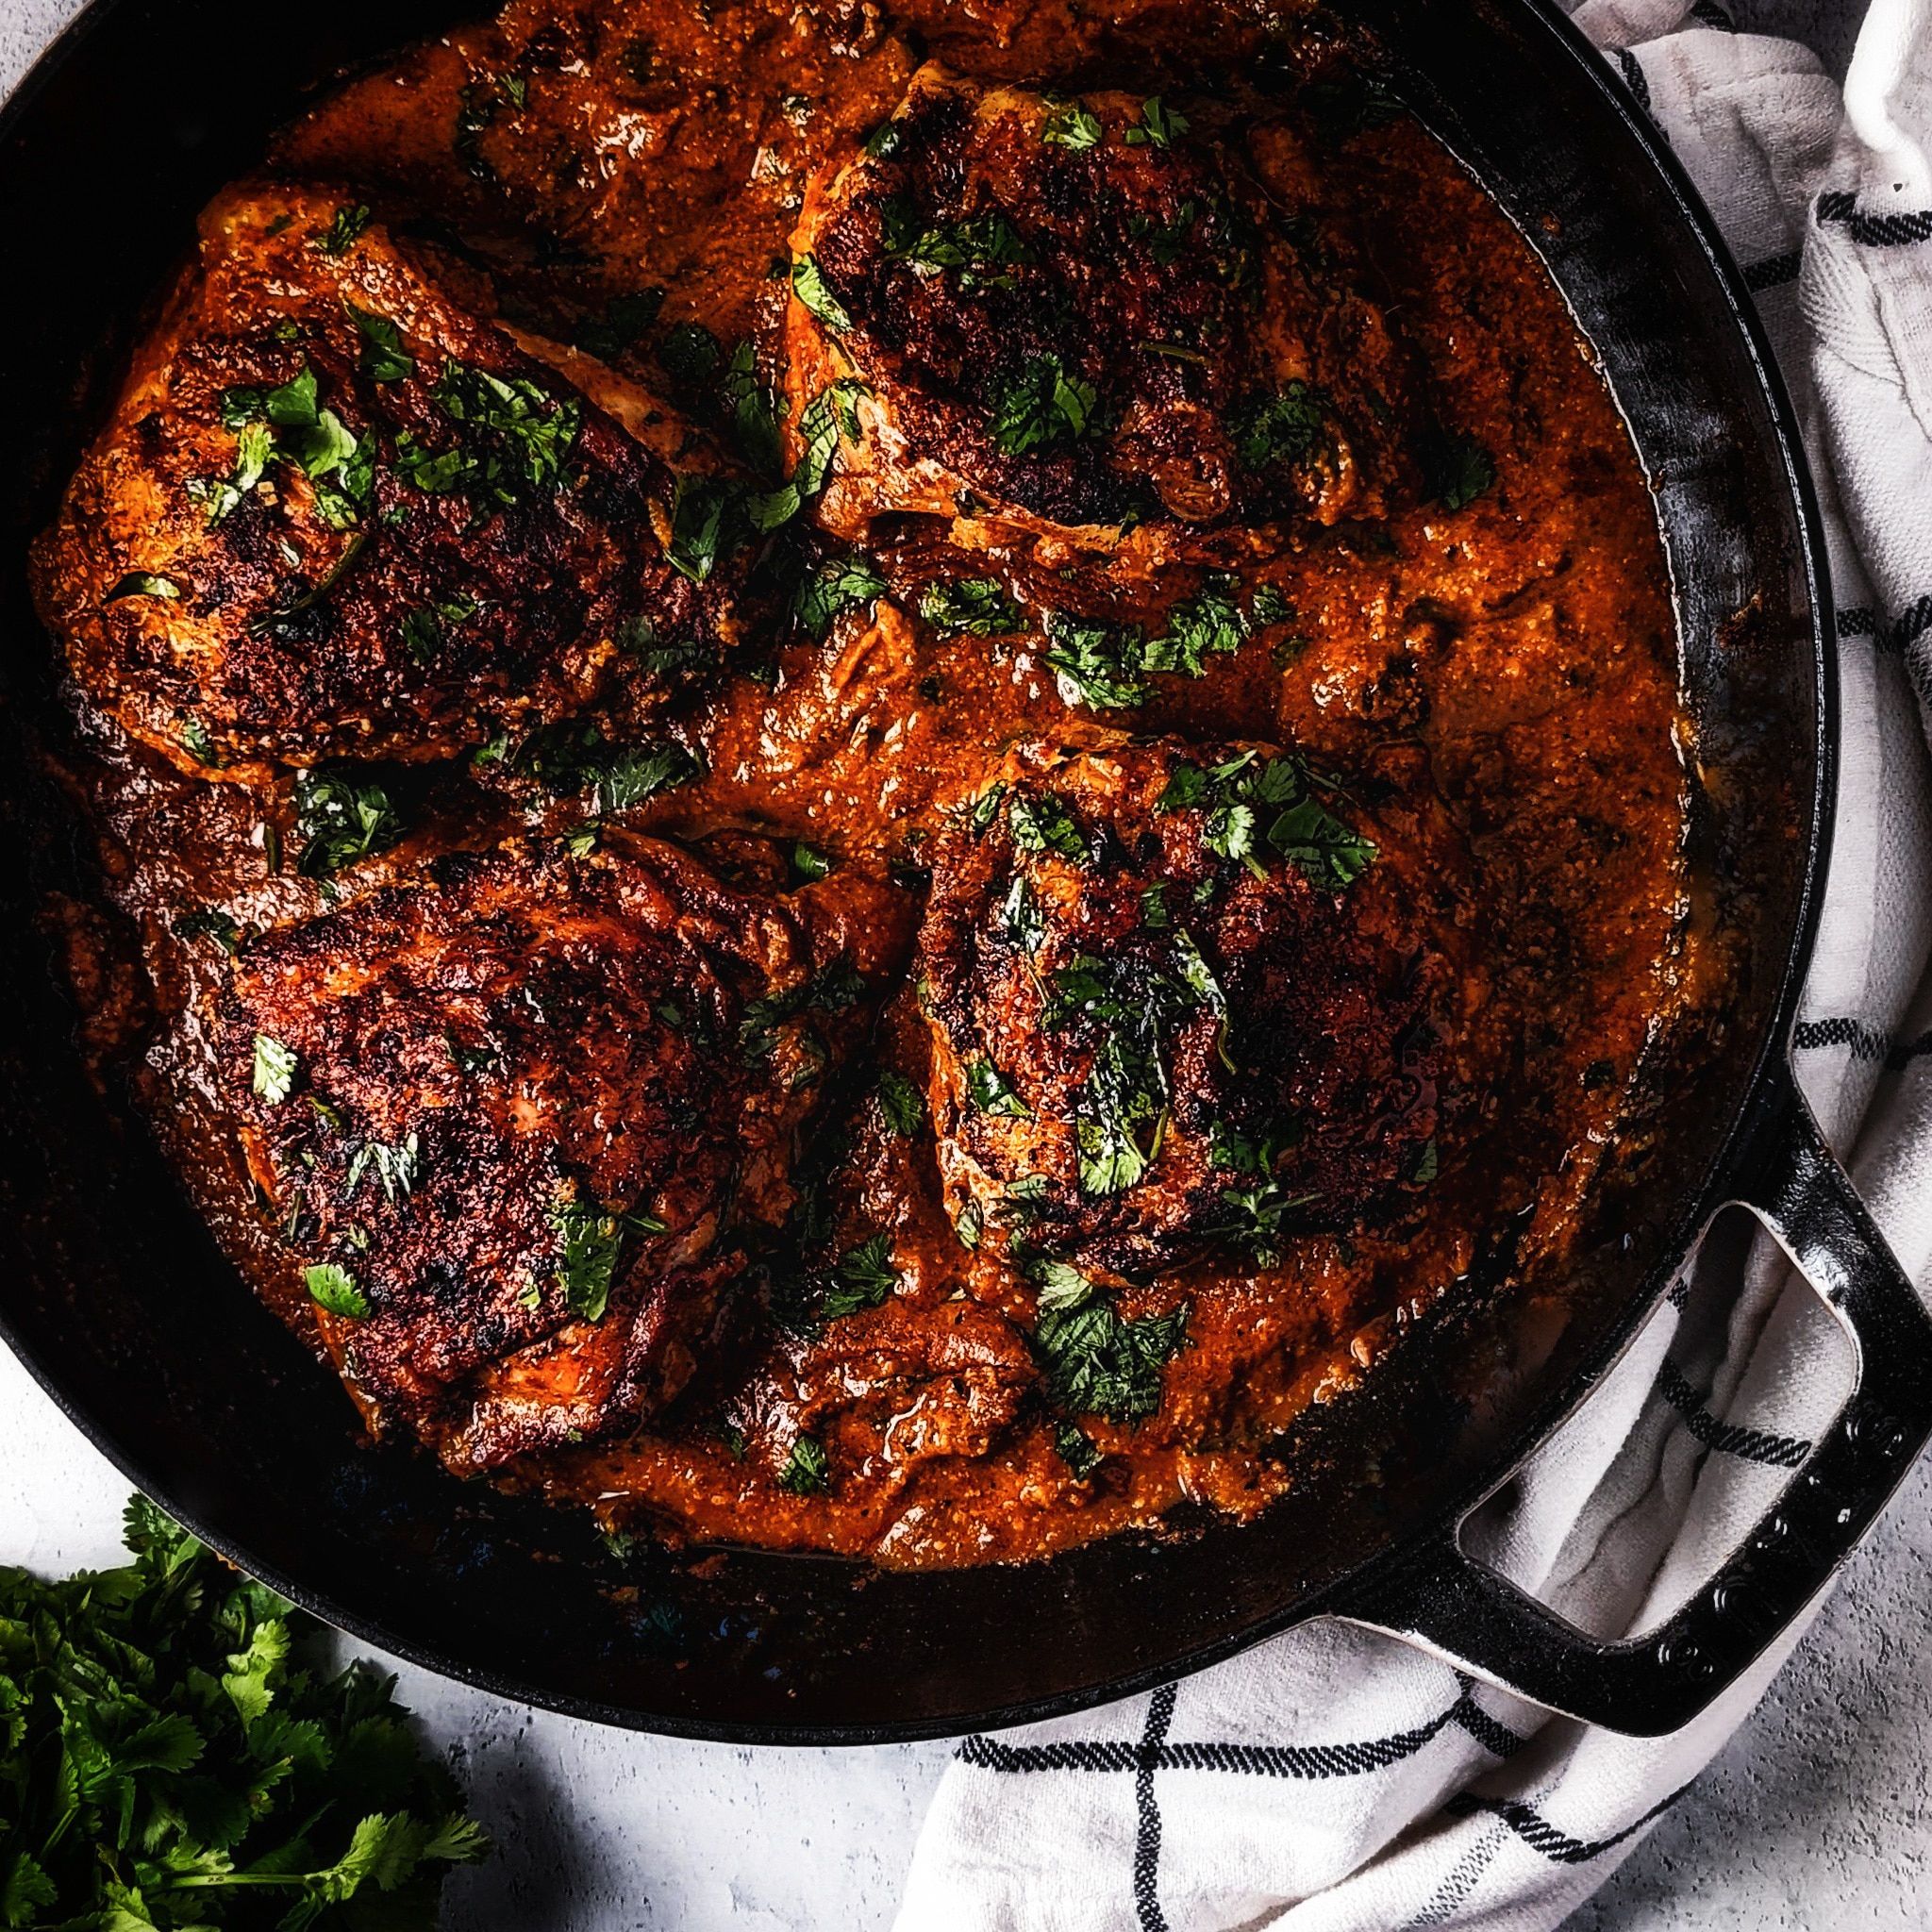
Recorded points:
1175,999
520,1103
1072,317
337,513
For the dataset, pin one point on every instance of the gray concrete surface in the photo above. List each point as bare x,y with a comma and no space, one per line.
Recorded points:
1815,1818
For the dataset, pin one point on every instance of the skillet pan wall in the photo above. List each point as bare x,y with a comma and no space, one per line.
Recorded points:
116,1296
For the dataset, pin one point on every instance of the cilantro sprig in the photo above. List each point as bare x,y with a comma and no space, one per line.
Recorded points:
169,1761
1254,806
1096,1361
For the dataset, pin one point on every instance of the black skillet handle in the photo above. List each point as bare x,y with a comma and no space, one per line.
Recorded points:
1469,1614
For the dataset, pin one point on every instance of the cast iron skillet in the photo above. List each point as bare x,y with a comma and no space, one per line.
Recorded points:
114,1293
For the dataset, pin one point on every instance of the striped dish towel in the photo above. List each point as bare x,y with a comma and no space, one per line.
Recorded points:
1333,1780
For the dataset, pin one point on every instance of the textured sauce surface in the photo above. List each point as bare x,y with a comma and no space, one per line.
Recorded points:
1497,680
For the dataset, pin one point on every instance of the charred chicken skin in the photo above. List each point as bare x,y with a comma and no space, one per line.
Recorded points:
1175,1001
337,513
510,1115
1080,316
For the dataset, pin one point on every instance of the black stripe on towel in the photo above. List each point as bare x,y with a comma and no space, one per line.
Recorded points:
1541,1835
1873,231
1752,1445
1774,273
1865,1044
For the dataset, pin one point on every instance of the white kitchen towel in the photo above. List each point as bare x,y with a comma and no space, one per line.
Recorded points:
1333,1778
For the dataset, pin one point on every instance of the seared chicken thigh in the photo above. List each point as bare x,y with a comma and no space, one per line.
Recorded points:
508,1114
1174,1000
339,514
1083,316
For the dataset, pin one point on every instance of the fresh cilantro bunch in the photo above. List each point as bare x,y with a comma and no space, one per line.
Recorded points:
164,1764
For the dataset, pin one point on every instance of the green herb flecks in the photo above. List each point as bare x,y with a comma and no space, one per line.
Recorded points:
384,359
1255,806
808,1470
1457,471
980,252
1021,918
210,922
423,630
1041,822
1096,1361
848,583
199,745
1279,429
346,228
275,1070
1075,127
688,354
626,320
808,285
169,1762
865,1277
1076,1449
1095,662
1198,627
832,414
340,818
592,1241
901,1106
513,438
836,989
335,1289
976,604
1260,1201
1042,404
1158,125
993,1093
141,583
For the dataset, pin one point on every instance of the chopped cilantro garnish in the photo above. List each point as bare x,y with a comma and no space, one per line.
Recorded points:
1166,240
341,819
901,1104
1042,404
591,1240
978,605
1458,470
384,359
1098,1363
808,285
808,1470
1331,855
749,407
625,321
986,808
1270,605
1158,125
833,413
1429,1164
1077,1449
1041,822
1095,663
993,1093
1074,125
980,250
346,228
845,584
198,744
806,864
1187,788
1211,622
275,1070
423,630
141,583
887,141
210,922
866,1277
840,985
1280,428
1019,918
513,437
335,1289
970,1226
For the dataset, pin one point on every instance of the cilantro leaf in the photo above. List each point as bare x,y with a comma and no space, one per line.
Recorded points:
1095,662
1077,1449
1457,470
1075,127
866,1279
993,1093
1041,822
976,604
688,354
346,228
901,1104
341,819
335,1289
1042,404
141,583
591,1240
1098,1363
275,1070
1160,126
384,359
1329,854
1197,627
808,285
845,584
808,1470
1280,428
1185,790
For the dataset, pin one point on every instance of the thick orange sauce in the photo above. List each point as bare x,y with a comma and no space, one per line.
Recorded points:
1503,676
